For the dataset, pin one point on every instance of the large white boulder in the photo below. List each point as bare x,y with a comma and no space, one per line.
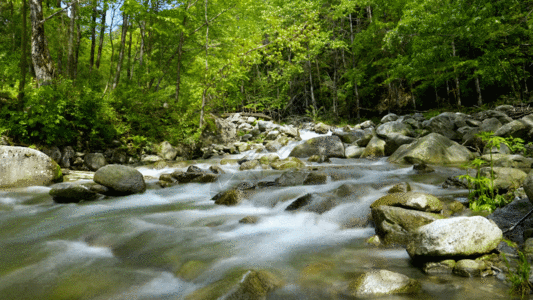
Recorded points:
21,166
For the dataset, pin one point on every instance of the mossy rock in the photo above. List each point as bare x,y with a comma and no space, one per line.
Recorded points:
228,161
239,285
230,198
382,282
401,187
287,163
192,269
410,200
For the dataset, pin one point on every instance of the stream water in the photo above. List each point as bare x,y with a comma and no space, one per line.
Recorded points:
140,246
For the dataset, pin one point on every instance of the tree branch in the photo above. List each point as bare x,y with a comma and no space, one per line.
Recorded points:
58,12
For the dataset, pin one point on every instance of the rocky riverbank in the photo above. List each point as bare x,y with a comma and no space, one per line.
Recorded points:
440,234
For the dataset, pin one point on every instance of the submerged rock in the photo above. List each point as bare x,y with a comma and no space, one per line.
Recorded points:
121,180
229,198
313,203
382,282
287,163
67,192
20,167
375,148
410,200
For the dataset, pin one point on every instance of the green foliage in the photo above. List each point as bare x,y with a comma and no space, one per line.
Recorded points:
482,193
314,113
519,276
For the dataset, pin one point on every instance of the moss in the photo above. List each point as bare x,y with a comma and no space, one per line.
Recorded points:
58,174
288,163
192,269
229,198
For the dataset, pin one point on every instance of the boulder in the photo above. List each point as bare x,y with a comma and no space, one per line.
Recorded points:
290,131
366,124
319,159
368,134
423,168
312,202
396,127
273,146
53,152
95,161
394,224
249,165
150,159
375,148
469,268
446,124
515,128
433,148
382,282
229,198
292,178
510,161
287,163
315,178
410,200
330,146
121,180
249,220
321,128
440,267
67,192
402,187
394,141
505,178
528,186
166,151
353,151
350,137
389,118
67,157
460,236
20,167
488,114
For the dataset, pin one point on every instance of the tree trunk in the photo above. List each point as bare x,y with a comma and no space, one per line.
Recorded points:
413,97
40,55
72,28
369,11
129,73
457,84
93,36
313,101
121,51
77,49
204,94
178,77
23,61
478,89
102,33
355,88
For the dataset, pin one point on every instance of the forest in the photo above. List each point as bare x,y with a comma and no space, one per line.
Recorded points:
94,71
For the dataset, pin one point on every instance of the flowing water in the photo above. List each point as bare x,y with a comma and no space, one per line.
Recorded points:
168,243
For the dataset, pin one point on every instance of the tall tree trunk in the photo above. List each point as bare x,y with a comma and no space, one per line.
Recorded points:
355,87
129,73
413,96
77,49
101,37
313,101
478,89
369,11
23,61
72,30
457,84
448,91
40,55
180,55
121,51
204,94
93,35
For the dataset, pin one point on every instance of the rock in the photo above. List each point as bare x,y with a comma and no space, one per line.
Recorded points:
240,285
191,176
312,202
54,153
166,151
166,180
249,220
350,137
230,198
510,214
119,157
20,167
366,124
150,159
67,157
318,159
503,149
263,125
491,124
246,137
315,178
432,149
410,200
354,151
330,146
402,187
505,178
287,163
292,178
223,132
423,168
368,134
321,128
273,146
441,267
396,127
509,161
460,236
488,114
394,224
194,169
121,180
95,161
515,128
469,268
382,282
272,135
249,165
68,192
394,141
375,148
290,131
216,170
268,159
528,186
446,124
245,127
389,118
